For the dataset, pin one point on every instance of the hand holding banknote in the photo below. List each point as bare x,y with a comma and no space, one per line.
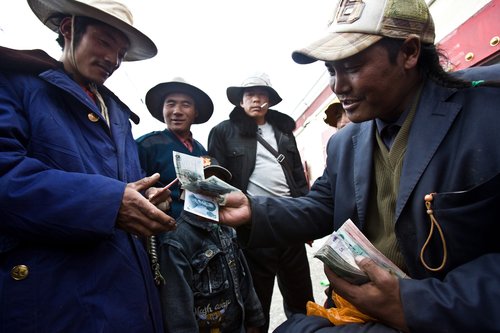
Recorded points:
351,261
378,299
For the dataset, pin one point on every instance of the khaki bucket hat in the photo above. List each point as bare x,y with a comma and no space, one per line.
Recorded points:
333,113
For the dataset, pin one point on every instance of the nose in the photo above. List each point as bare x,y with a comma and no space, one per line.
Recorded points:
176,109
114,58
339,83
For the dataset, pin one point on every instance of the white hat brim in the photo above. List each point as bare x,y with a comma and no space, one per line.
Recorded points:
141,46
234,94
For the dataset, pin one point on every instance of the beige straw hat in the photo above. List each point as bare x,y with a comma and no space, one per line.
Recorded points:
111,12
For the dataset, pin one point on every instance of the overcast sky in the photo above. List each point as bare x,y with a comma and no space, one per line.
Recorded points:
212,44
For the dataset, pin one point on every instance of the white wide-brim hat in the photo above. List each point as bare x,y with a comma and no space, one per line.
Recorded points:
110,12
261,80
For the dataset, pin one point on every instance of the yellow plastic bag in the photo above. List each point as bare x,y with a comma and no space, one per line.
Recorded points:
344,312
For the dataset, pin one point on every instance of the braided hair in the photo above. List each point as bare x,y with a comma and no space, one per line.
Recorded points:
432,64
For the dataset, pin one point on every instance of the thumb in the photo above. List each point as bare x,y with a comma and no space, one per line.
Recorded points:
371,268
146,182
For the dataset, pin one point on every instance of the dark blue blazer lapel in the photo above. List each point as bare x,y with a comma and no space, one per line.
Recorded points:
363,162
433,119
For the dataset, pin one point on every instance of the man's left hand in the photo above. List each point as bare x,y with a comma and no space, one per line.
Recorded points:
378,298
160,197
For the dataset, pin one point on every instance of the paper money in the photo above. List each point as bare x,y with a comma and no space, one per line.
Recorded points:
201,205
188,168
344,245
201,196
211,186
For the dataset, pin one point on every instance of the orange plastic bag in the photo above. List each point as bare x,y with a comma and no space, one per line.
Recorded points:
344,312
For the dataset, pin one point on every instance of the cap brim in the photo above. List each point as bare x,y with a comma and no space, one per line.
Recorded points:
334,46
155,98
218,171
141,46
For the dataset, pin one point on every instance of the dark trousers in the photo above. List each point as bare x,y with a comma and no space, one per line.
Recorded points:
291,267
300,323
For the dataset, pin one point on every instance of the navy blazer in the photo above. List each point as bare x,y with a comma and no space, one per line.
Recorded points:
453,151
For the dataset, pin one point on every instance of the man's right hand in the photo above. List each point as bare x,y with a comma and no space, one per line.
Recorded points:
236,210
137,215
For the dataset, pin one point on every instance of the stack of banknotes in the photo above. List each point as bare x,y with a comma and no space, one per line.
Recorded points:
344,245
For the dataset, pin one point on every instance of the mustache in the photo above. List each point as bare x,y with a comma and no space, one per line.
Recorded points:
107,66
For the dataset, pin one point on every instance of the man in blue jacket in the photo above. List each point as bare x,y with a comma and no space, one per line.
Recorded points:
71,207
418,172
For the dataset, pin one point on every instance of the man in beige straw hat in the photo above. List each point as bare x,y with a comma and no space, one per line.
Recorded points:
72,212
417,171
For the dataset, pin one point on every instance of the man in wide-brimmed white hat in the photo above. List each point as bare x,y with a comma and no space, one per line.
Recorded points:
238,144
71,207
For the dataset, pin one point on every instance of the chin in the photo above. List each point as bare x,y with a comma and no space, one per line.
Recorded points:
99,80
100,77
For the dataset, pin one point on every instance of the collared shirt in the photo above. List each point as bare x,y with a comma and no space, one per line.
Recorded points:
389,131
188,142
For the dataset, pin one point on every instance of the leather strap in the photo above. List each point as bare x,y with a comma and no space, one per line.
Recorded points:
281,160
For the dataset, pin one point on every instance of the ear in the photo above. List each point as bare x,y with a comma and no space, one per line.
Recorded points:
65,27
411,51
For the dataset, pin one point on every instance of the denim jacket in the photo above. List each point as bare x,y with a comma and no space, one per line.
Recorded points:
208,286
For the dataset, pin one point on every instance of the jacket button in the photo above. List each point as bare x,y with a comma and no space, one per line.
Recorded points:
209,253
93,117
19,272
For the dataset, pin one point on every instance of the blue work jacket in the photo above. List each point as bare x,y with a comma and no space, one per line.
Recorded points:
64,266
